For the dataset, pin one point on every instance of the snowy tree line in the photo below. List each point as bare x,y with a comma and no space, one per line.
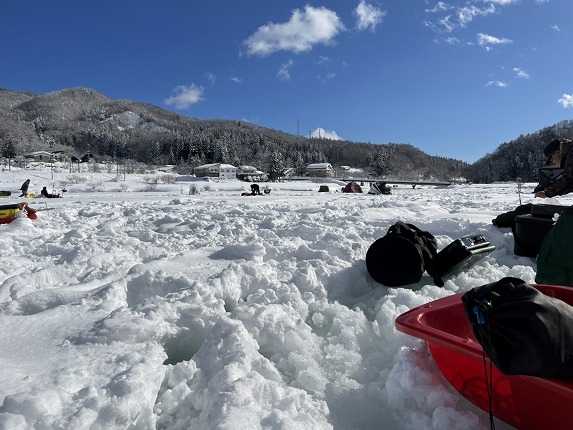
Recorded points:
80,120
202,142
519,158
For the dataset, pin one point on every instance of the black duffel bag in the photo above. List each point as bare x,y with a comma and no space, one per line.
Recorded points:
523,331
401,256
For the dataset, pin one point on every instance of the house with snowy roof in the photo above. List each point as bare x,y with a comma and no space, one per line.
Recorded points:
216,170
251,174
320,170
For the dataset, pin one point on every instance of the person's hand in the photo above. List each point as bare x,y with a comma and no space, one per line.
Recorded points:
540,194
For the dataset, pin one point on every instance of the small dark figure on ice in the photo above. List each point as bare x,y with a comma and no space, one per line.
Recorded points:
48,195
24,188
256,190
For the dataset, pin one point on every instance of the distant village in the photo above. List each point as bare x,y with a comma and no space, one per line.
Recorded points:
212,170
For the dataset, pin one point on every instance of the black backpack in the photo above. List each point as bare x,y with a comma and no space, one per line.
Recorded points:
523,331
402,255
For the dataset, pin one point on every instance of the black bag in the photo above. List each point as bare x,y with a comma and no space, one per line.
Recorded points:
507,219
523,331
460,255
548,211
401,256
528,234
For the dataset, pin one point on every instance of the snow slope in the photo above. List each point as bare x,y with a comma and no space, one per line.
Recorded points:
124,307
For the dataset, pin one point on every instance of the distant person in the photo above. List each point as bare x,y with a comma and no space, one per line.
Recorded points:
552,154
256,190
556,153
560,157
48,195
24,188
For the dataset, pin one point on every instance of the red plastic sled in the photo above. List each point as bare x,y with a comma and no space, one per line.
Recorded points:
524,402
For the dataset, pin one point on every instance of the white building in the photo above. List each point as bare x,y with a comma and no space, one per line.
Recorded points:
216,170
251,174
45,156
351,172
39,156
321,170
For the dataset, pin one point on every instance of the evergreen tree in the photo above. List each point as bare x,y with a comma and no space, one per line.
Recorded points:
276,166
8,149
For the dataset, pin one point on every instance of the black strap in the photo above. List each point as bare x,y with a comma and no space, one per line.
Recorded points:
482,310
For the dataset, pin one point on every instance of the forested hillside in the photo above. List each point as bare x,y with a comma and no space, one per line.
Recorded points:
80,120
519,158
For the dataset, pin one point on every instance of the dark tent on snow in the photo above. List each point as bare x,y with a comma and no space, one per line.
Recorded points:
377,188
352,187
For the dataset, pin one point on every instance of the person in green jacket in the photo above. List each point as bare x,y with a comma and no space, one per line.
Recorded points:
556,254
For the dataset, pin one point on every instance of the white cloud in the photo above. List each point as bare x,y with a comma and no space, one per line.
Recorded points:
323,134
467,14
449,18
521,73
324,77
502,2
368,16
497,84
566,100
284,71
323,60
452,40
305,29
211,77
440,7
443,25
185,96
486,41
236,79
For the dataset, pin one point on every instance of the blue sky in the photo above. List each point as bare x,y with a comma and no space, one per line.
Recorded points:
453,78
